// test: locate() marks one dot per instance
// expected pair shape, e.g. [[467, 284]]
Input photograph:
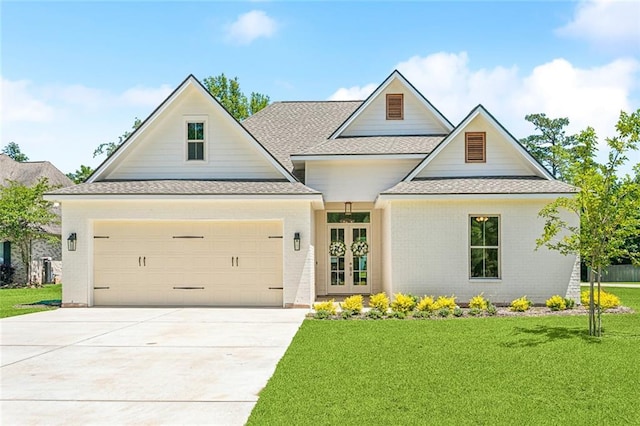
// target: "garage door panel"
[[218, 263]]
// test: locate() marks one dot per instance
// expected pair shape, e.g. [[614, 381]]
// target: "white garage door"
[[188, 263]]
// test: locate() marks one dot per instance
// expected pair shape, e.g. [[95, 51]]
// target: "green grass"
[[527, 370], [11, 299]]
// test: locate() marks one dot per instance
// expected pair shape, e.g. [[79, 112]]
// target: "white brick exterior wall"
[[427, 250], [296, 216]]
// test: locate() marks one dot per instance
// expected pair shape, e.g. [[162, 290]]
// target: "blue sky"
[[76, 74]]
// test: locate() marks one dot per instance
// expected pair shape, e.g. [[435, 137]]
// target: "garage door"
[[188, 263]]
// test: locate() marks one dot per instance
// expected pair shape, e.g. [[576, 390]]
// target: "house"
[[46, 256], [305, 199]]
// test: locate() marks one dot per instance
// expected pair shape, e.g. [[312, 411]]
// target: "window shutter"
[[475, 147], [395, 106]]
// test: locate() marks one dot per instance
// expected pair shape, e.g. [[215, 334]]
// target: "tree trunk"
[[591, 303], [599, 324]]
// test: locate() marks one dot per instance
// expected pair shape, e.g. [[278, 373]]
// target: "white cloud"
[[65, 123], [20, 103], [355, 93], [250, 26], [587, 96], [605, 23]]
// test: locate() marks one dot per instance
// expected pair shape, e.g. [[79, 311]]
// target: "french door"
[[348, 259]]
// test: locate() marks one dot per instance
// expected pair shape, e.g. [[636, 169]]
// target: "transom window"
[[475, 147], [484, 246], [395, 106], [195, 140]]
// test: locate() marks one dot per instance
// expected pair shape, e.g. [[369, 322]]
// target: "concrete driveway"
[[140, 365]]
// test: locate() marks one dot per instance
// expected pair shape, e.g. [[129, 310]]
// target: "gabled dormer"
[[478, 146], [394, 108], [191, 136]]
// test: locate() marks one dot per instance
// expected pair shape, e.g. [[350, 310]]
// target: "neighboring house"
[[46, 256], [311, 198]]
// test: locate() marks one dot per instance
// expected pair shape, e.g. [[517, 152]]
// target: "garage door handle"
[[139, 257], [232, 261], [237, 263], [144, 261]]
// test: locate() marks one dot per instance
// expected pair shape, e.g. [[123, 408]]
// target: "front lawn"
[[12, 300], [527, 370]]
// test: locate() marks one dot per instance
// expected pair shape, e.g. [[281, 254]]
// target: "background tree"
[[110, 147], [24, 214], [80, 175], [227, 92], [551, 146], [606, 204], [13, 150]]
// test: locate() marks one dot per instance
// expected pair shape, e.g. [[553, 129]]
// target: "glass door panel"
[[360, 251], [337, 253]]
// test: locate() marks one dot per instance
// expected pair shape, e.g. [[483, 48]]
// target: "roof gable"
[[157, 149], [420, 116], [505, 155]]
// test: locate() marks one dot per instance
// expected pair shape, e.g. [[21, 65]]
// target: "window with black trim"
[[475, 144], [395, 106], [195, 140], [484, 247]]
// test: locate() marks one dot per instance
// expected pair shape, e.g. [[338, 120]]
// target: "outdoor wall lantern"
[[347, 208], [71, 241], [296, 241]]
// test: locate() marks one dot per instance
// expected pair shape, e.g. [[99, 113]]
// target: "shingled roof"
[[481, 185], [285, 128], [188, 187], [361, 145], [29, 172]]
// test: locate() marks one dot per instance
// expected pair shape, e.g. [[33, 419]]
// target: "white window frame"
[[205, 141], [498, 247]]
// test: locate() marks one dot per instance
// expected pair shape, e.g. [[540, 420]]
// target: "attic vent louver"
[[475, 147], [395, 106]]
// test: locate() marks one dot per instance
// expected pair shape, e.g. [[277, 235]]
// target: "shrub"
[[478, 302], [521, 305], [445, 302], [457, 312], [556, 303], [322, 314], [347, 313], [380, 302], [444, 312], [403, 303], [353, 304], [491, 309], [570, 303], [327, 306], [607, 300], [425, 304], [475, 312], [374, 314], [421, 314], [398, 315]]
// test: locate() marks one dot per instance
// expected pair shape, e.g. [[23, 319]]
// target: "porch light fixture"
[[296, 241], [482, 219], [347, 208], [72, 241]]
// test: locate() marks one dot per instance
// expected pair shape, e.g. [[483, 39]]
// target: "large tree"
[[227, 92], [607, 205], [551, 145], [110, 147], [80, 175], [24, 214], [13, 150]]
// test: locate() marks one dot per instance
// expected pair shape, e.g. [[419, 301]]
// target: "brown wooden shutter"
[[475, 147], [395, 106]]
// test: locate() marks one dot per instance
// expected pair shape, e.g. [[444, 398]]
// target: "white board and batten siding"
[[502, 158], [356, 180], [160, 153], [418, 120]]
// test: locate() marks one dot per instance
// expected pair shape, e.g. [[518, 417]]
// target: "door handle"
[[237, 263], [144, 261], [139, 258], [232, 261]]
